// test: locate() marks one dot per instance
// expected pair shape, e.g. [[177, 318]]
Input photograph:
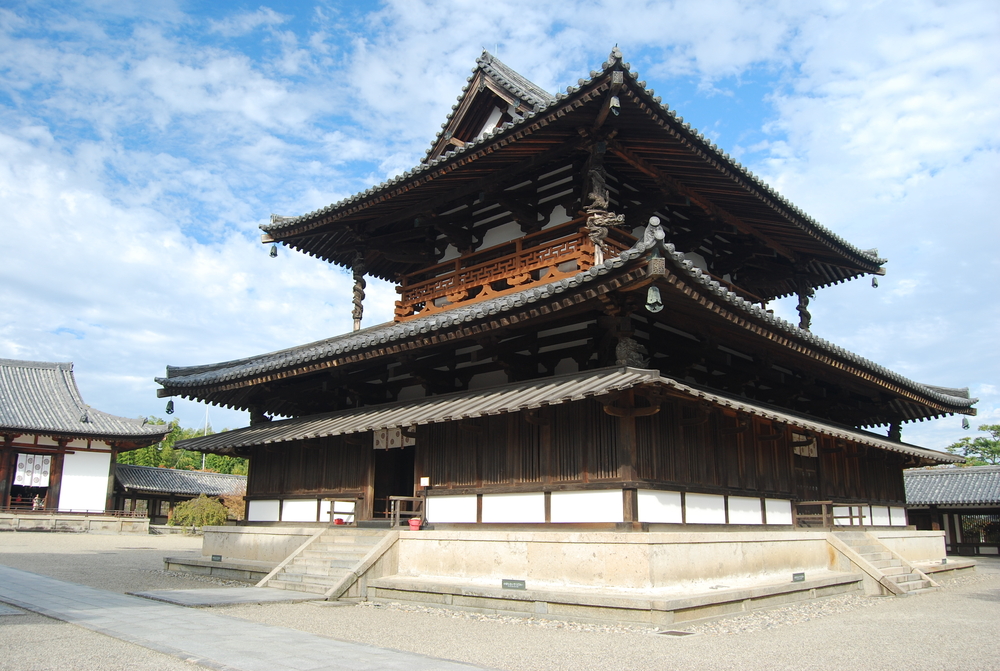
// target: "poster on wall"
[[32, 470]]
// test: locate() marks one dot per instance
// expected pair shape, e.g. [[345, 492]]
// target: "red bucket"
[[415, 523]]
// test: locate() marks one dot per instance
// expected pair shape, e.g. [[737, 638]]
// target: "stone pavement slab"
[[7, 610], [200, 636], [226, 596]]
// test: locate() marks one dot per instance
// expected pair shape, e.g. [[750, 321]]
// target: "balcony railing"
[[539, 258]]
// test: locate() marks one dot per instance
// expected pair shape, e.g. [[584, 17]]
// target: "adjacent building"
[[962, 502], [155, 491], [58, 453]]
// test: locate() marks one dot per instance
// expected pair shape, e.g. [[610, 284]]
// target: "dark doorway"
[[393, 477]]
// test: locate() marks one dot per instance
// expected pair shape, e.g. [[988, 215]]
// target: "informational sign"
[[507, 583], [33, 470]]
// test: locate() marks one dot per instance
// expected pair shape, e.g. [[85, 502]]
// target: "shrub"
[[200, 512]]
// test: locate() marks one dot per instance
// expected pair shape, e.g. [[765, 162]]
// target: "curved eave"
[[742, 187]]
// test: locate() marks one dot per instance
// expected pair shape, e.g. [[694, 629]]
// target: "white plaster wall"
[[324, 511], [662, 507], [597, 506], [744, 510], [839, 511], [880, 516], [298, 511], [779, 511], [704, 509], [263, 511], [85, 481], [501, 234], [451, 509], [342, 509], [526, 508], [897, 516]]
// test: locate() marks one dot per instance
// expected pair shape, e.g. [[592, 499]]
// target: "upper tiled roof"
[[172, 481], [953, 486], [179, 378], [698, 143], [41, 397]]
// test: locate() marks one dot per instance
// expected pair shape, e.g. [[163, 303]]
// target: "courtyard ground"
[[956, 628]]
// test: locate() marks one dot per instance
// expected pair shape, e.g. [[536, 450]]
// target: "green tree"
[[200, 512], [981, 450], [164, 455]]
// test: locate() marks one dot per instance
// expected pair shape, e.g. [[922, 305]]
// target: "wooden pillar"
[[627, 458], [109, 499], [55, 481], [7, 461]]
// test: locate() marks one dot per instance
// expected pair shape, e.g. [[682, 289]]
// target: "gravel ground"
[[930, 631]]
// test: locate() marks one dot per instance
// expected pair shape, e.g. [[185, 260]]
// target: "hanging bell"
[[170, 407], [653, 301], [965, 423], [274, 251], [874, 282]]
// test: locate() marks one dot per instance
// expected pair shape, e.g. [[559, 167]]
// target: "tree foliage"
[[164, 455], [980, 450], [200, 512]]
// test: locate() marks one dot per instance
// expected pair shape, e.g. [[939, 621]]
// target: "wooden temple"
[[582, 336]]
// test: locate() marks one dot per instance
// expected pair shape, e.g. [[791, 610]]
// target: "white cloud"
[[247, 22]]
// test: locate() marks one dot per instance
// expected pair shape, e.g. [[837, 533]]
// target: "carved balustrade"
[[539, 258]]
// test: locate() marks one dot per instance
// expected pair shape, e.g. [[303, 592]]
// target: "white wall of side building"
[[85, 481]]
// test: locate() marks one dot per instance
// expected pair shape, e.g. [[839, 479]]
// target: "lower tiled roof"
[[972, 485], [521, 396], [172, 481]]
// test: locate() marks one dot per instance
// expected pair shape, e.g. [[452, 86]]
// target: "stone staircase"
[[895, 574], [325, 560]]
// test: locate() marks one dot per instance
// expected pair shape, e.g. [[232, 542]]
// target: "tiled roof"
[[698, 142], [519, 396], [171, 481], [41, 397], [184, 378], [953, 486]]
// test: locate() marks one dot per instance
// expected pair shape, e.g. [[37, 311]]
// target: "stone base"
[[605, 605], [73, 523], [227, 569]]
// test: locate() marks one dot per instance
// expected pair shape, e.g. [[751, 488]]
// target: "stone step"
[[340, 555], [878, 556], [304, 569], [310, 579], [902, 578], [337, 561], [895, 570], [297, 586], [914, 586], [922, 590]]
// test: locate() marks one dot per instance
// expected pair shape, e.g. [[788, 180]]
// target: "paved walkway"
[[199, 636]]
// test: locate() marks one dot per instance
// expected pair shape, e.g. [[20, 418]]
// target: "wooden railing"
[[512, 266], [405, 507], [21, 510], [821, 514]]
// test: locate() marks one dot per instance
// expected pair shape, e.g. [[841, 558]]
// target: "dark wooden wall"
[[684, 447], [336, 465]]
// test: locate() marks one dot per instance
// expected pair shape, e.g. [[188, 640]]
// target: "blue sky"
[[142, 144]]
